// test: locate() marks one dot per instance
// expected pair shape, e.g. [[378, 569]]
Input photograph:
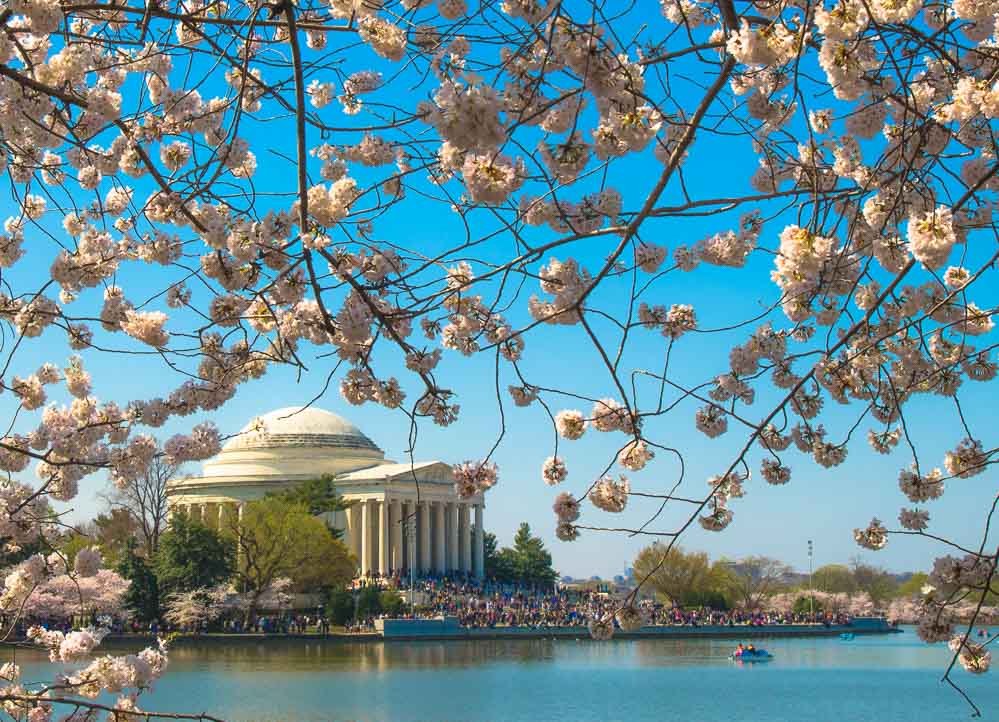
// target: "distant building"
[[283, 448]]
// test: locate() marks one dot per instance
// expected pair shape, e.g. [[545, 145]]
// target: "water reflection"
[[527, 680], [295, 655], [362, 656]]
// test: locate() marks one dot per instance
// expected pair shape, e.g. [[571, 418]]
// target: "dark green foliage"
[[318, 495], [192, 556], [143, 596], [369, 602], [340, 606], [707, 598], [527, 562], [498, 566], [392, 604]]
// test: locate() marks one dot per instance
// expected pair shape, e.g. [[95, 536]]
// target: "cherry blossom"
[[554, 471], [518, 187], [474, 477], [610, 495], [874, 537]]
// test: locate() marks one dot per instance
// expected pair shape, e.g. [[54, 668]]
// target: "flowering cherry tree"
[[213, 189]]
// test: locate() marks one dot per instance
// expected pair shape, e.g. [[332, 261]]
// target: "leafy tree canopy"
[[340, 606], [913, 586], [192, 556], [143, 596], [318, 496], [527, 562], [683, 578], [277, 539], [835, 579]]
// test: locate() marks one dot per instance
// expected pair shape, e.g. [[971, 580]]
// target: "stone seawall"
[[448, 628]]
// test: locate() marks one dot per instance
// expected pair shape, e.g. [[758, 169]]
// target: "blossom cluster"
[[566, 163], [474, 477]]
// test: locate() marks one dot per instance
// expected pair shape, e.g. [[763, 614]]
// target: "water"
[[883, 678]]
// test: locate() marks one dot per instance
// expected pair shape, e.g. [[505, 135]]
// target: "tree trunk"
[[251, 610]]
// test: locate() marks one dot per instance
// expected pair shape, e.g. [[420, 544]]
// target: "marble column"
[[408, 543], [480, 544], [423, 545], [439, 557], [396, 514], [465, 527], [366, 537], [383, 536], [202, 512], [351, 536], [452, 537]]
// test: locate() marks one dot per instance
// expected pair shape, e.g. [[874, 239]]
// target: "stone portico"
[[401, 514]]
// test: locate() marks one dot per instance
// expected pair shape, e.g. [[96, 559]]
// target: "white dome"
[[296, 426]]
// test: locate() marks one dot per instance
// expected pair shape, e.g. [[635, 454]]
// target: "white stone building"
[[282, 448]]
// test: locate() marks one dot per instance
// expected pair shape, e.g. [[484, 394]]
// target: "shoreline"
[[447, 629], [407, 630]]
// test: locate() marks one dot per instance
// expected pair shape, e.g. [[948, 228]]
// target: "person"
[[751, 649], [739, 650]]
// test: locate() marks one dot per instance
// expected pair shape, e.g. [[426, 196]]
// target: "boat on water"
[[846, 635], [751, 655]]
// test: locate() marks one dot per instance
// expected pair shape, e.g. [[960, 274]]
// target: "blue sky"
[[819, 504]]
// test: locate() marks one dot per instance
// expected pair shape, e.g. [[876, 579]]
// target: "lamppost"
[[811, 595], [411, 536]]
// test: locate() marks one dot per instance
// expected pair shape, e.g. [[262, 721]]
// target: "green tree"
[[681, 577], [143, 596], [340, 605], [881, 585], [392, 604], [318, 496], [834, 579], [713, 598], [532, 563], [497, 565], [278, 539], [369, 602], [191, 556], [913, 586]]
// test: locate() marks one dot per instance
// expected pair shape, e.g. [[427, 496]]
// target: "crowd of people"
[[486, 604], [475, 604]]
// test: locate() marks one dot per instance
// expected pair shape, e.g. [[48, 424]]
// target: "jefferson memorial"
[[280, 449]]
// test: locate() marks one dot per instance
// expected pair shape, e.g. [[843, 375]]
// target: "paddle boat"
[[751, 654], [846, 636]]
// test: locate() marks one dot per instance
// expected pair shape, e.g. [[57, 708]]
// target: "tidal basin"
[[884, 677]]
